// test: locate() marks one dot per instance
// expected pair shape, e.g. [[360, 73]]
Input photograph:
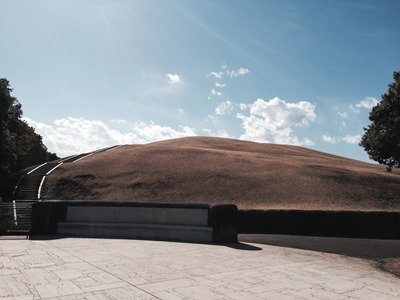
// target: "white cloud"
[[239, 72], [224, 108], [174, 79], [216, 74], [352, 139], [367, 103], [274, 120], [146, 133], [224, 74], [329, 139], [244, 106], [354, 108], [72, 135], [216, 93], [156, 84], [220, 133]]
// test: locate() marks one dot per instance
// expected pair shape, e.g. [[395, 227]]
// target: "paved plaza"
[[83, 268]]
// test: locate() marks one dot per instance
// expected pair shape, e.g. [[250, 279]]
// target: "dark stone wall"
[[222, 218], [227, 220], [379, 225], [46, 215]]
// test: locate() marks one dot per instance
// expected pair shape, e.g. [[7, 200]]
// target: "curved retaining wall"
[[185, 222], [356, 224]]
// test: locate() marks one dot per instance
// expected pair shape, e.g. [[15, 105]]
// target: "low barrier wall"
[[206, 223], [374, 224], [224, 221]]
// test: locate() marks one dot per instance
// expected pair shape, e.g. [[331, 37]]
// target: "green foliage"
[[381, 139], [20, 145]]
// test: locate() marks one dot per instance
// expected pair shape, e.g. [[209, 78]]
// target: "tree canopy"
[[381, 139], [20, 145]]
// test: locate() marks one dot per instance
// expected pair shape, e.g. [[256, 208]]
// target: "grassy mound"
[[215, 170]]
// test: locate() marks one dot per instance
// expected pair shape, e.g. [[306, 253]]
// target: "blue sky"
[[91, 74]]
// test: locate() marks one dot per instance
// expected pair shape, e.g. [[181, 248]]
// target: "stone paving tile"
[[384, 283], [370, 294], [24, 297], [83, 267], [85, 296], [11, 287], [180, 289], [105, 286], [197, 292], [242, 295], [309, 294], [8, 271], [71, 269], [86, 283], [104, 277], [129, 293], [68, 274], [34, 276], [133, 278], [55, 289]]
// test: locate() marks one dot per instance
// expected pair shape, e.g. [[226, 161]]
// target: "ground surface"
[[215, 170], [81, 268]]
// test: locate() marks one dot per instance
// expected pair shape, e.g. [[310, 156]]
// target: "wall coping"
[[130, 204]]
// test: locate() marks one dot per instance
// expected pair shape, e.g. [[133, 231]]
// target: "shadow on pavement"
[[242, 246], [237, 246]]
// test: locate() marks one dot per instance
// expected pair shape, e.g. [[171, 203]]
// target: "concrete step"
[[75, 157], [27, 190], [26, 195], [45, 168], [28, 187], [139, 231], [31, 181]]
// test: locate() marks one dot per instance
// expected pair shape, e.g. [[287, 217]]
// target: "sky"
[[96, 73]]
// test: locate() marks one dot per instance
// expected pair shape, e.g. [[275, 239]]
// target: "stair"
[[28, 187], [75, 157]]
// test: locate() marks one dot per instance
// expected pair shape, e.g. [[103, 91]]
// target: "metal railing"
[[15, 217]]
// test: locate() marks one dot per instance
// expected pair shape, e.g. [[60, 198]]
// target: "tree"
[[381, 138], [20, 145]]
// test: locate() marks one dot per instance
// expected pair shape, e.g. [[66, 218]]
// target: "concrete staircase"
[[28, 187]]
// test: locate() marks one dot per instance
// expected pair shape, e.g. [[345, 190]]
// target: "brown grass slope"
[[216, 170]]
